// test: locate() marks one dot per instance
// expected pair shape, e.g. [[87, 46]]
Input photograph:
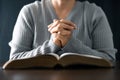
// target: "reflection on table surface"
[[86, 74]]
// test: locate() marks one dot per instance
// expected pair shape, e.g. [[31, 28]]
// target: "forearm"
[[20, 52], [76, 46]]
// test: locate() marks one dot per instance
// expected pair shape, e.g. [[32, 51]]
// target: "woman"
[[59, 26]]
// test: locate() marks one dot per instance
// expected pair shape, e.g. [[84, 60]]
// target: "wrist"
[[57, 42]]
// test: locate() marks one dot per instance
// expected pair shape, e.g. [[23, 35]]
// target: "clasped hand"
[[61, 30]]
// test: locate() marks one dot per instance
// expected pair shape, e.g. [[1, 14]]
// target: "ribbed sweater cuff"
[[53, 46]]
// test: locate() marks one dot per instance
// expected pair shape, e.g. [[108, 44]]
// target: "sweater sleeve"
[[23, 36], [102, 39]]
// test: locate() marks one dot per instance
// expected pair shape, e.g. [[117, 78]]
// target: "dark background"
[[9, 10]]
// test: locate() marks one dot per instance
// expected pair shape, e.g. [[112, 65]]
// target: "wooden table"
[[62, 74]]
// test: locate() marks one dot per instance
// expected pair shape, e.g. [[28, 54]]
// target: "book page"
[[75, 58], [54, 54], [91, 56], [46, 60]]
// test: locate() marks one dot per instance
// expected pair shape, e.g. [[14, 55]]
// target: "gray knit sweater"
[[93, 35]]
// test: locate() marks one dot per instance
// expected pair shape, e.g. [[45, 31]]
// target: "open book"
[[52, 59]]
